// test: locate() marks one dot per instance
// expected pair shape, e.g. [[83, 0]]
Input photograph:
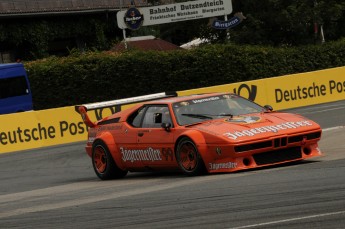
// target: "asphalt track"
[[56, 188]]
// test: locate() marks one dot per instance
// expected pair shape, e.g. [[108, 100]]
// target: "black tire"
[[188, 158], [103, 163]]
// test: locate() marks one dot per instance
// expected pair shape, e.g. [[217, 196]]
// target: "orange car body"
[[223, 143]]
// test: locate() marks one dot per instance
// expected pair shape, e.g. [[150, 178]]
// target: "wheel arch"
[[108, 139], [200, 142]]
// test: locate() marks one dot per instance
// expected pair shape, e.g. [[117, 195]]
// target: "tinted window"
[[14, 86]]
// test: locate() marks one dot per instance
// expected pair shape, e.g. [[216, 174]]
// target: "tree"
[[268, 22], [287, 22]]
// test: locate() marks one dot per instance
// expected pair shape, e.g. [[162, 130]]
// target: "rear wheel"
[[103, 163], [188, 158]]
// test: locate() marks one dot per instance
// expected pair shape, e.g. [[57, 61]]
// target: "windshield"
[[213, 107]]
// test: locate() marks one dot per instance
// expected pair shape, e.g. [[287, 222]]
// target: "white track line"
[[333, 128], [320, 111], [289, 220]]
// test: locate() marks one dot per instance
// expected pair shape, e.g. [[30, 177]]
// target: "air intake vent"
[[280, 142], [283, 142], [299, 138], [254, 146], [277, 156], [276, 142]]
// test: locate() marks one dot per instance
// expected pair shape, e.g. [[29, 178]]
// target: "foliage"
[[101, 76], [34, 37], [288, 22]]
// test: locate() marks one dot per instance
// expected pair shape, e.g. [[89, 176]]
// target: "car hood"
[[257, 126]]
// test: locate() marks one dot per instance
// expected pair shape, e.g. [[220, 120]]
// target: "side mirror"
[[268, 108], [166, 126]]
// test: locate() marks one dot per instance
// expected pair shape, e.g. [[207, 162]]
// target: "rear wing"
[[83, 109]]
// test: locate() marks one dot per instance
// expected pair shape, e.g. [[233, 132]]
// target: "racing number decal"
[[168, 154]]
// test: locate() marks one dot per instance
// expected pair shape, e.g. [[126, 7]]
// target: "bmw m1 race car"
[[196, 134]]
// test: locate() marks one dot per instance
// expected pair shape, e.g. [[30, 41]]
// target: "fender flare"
[[108, 139], [200, 142]]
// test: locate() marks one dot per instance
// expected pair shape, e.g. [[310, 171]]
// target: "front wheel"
[[103, 163], [188, 158]]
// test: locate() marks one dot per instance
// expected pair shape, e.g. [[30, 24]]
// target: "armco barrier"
[[36, 129]]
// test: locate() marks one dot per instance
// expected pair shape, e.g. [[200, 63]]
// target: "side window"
[[155, 116], [136, 118], [13, 86]]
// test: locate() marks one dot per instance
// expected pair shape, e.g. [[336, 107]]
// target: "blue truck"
[[15, 92]]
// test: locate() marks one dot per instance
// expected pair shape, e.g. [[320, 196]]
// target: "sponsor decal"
[[217, 166], [244, 119], [112, 127], [92, 135], [184, 104], [133, 18], [91, 139], [219, 151], [148, 154], [195, 101], [274, 128], [93, 131]]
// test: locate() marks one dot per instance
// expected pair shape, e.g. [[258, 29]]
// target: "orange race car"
[[218, 132]]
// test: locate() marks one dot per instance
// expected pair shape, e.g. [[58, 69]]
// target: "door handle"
[[140, 134]]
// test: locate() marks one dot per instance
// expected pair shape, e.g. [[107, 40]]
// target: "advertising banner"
[[133, 18], [36, 129]]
